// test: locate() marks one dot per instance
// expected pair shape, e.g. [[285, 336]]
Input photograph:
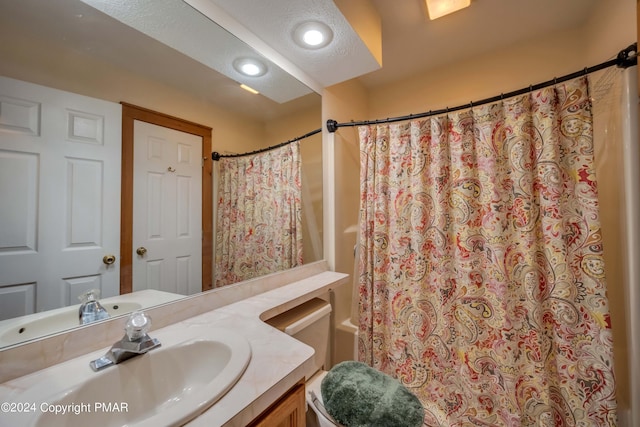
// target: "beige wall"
[[612, 29], [482, 77]]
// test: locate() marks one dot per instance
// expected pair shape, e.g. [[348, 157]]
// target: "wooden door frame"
[[129, 114]]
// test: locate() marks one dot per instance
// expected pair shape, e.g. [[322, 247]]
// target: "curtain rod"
[[217, 156], [626, 58]]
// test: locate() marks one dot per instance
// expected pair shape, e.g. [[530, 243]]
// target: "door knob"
[[141, 250], [109, 259]]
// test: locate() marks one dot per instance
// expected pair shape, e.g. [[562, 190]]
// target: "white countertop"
[[277, 363]]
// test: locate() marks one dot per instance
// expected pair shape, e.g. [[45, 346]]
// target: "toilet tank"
[[310, 323]]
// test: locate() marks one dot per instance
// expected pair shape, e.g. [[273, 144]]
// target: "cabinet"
[[288, 411]]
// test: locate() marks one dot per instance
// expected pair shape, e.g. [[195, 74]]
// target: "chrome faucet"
[[135, 342], [91, 310]]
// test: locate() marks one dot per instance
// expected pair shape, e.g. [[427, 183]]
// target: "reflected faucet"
[[135, 342], [91, 310]]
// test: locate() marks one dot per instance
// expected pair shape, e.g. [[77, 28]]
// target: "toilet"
[[310, 323]]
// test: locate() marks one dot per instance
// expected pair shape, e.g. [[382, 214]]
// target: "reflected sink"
[[164, 387], [56, 321], [13, 331]]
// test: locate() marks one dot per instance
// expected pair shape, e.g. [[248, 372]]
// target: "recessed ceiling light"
[[250, 67], [438, 8], [312, 35]]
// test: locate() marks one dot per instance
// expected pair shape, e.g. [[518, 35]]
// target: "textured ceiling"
[[411, 43], [274, 21], [179, 25], [41, 27], [182, 28]]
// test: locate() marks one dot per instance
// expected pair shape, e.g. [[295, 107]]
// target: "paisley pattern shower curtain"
[[482, 283], [259, 225]]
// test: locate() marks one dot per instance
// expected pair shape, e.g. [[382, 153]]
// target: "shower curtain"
[[481, 284], [259, 229]]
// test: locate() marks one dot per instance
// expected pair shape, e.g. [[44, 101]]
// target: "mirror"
[[70, 46]]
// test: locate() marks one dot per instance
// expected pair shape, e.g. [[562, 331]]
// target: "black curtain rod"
[[217, 156], [626, 58]]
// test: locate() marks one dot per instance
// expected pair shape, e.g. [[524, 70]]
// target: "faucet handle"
[[90, 295], [137, 325]]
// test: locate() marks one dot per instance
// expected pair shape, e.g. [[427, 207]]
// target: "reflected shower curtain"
[[481, 281], [259, 228]]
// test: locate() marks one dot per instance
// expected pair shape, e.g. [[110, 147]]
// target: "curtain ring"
[[586, 71]]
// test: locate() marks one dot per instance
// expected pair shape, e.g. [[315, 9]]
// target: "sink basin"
[[166, 386]]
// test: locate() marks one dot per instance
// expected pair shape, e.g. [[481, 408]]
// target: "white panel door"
[[60, 197], [167, 210]]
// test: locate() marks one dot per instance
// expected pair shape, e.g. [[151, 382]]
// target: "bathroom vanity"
[[288, 411], [269, 391]]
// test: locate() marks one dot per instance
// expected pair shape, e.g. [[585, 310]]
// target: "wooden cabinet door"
[[288, 411]]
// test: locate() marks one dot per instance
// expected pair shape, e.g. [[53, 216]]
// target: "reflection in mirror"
[[24, 328], [69, 47]]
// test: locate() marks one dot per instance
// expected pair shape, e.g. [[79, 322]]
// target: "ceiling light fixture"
[[249, 89], [312, 35], [250, 67], [438, 8]]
